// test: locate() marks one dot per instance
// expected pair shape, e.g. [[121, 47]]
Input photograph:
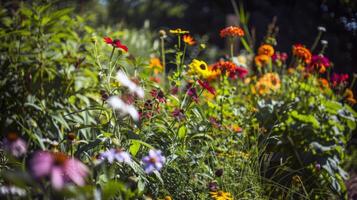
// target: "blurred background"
[[297, 20]]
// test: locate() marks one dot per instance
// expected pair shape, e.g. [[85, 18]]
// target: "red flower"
[[338, 79], [115, 43], [206, 86], [159, 95], [231, 69]]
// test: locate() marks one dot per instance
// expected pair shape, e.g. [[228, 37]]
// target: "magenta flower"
[[59, 168], [319, 63], [280, 56], [338, 79], [15, 145], [178, 114], [154, 161]]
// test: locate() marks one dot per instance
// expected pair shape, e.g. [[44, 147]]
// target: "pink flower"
[[319, 63], [15, 145], [205, 85], [338, 79], [115, 43], [59, 168]]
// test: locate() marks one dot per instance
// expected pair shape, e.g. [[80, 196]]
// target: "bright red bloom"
[[206, 86], [115, 43], [231, 69], [338, 79]]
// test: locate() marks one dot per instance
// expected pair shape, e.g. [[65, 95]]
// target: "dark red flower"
[[178, 114], [115, 43], [159, 95], [338, 79], [206, 86], [191, 91]]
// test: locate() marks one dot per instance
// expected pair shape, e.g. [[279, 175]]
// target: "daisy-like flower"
[[302, 53], [178, 31], [115, 43], [319, 63], [159, 95], [154, 161], [60, 169], [232, 31], [188, 39], [125, 81], [156, 65], [221, 195], [117, 104], [14, 144], [266, 49], [205, 85], [199, 68], [116, 154]]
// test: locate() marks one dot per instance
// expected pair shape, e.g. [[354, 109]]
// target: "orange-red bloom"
[[266, 49], [261, 60], [233, 31], [302, 53], [231, 69], [188, 39], [115, 43]]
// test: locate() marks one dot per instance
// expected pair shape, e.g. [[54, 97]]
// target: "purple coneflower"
[[60, 168], [154, 161], [15, 145]]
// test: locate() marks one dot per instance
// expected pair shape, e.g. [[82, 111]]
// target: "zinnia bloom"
[[231, 69], [261, 60], [60, 168], [205, 85], [156, 65], [115, 43], [154, 161], [188, 39], [266, 49], [267, 83], [232, 31], [320, 63], [14, 145], [338, 79], [116, 154], [220, 195], [302, 53]]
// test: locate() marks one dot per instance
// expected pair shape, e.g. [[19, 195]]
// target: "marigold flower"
[[178, 31], [302, 53], [61, 168], [324, 83], [349, 96], [320, 63], [115, 43], [261, 60], [188, 39], [220, 195], [267, 83], [266, 49], [232, 31], [156, 65]]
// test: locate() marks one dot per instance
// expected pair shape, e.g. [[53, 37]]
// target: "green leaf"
[[182, 132], [134, 147]]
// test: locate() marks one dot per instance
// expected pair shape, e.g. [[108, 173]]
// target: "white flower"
[[117, 104], [125, 81], [324, 42], [321, 28]]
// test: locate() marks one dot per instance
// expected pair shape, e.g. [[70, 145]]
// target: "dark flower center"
[[12, 136], [203, 67], [59, 158]]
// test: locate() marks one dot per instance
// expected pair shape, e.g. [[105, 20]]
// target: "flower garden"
[[119, 113]]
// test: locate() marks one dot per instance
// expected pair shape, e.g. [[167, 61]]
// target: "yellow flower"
[[168, 198], [155, 64], [349, 97], [178, 31], [200, 68], [220, 195], [188, 39], [267, 83]]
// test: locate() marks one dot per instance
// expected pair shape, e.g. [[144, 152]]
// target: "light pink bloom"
[[59, 168], [15, 145]]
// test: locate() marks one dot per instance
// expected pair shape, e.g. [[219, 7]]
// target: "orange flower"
[[267, 83], [302, 53], [261, 60], [155, 64], [349, 96], [188, 39], [233, 31], [266, 49], [324, 83]]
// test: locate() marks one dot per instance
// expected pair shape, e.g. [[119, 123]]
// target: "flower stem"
[[317, 39], [232, 48]]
